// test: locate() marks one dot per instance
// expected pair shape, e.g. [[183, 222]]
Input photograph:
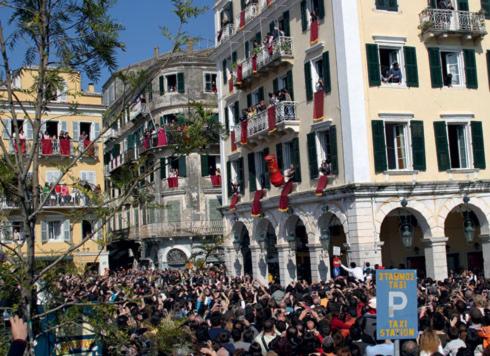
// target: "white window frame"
[[181, 207], [461, 66], [468, 142], [259, 167], [321, 149], [408, 144], [231, 116], [61, 237], [390, 42], [204, 81], [94, 173], [167, 91], [54, 172], [314, 71]]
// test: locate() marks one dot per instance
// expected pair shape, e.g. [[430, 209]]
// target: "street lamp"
[[468, 226], [325, 238], [406, 229]]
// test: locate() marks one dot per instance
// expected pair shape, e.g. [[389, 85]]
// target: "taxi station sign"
[[396, 304]]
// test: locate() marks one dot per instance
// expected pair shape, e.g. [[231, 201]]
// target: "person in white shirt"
[[354, 271], [452, 347]]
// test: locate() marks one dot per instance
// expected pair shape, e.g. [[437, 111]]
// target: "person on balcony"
[[214, 88], [394, 75], [326, 167], [18, 237], [273, 100], [84, 138], [277, 33], [445, 5], [65, 195], [319, 86], [313, 16], [287, 96], [46, 144], [22, 142], [65, 143], [261, 106], [269, 43], [146, 139]]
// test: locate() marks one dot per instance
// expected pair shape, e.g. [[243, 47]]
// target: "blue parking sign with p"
[[396, 304]]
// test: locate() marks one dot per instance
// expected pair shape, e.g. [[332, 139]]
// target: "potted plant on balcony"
[[426, 25]]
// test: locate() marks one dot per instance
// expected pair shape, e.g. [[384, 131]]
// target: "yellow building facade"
[[390, 95], [66, 217]]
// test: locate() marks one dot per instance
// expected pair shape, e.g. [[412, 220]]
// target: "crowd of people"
[[61, 195], [240, 316]]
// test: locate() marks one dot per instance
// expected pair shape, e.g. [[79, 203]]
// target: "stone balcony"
[[278, 118], [262, 60], [226, 32], [446, 23], [178, 229]]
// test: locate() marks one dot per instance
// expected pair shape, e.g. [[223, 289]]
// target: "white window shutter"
[[66, 231], [64, 126], [76, 131], [95, 131], [44, 232], [28, 129], [93, 177], [7, 129]]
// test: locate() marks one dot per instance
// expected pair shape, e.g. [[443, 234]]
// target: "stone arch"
[[261, 226], [476, 205], [425, 218], [322, 216]]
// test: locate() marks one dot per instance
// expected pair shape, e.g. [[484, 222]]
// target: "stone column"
[[232, 262], [436, 258], [485, 248], [259, 265], [287, 264], [320, 263]]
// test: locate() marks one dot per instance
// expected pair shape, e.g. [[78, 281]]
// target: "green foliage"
[[171, 335]]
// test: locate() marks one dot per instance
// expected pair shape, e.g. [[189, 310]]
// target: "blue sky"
[[142, 20]]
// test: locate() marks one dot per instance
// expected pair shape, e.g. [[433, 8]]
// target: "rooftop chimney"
[[190, 45], [91, 88], [156, 53]]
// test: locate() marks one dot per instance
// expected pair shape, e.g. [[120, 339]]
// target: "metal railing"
[[245, 16], [53, 148], [226, 32], [181, 228], [441, 21], [258, 123], [286, 111]]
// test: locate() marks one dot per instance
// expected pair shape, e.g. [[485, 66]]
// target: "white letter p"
[[392, 306]]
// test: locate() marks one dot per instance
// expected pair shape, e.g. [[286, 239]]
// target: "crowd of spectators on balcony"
[[61, 195]]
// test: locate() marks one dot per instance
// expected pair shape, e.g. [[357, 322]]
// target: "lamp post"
[[325, 239], [261, 241], [406, 229], [468, 225], [291, 240]]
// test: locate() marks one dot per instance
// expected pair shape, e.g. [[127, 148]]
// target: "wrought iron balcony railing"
[[441, 22]]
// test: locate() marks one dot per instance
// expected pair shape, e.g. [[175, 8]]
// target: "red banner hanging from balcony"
[[244, 128], [234, 201], [318, 105], [314, 32], [239, 74], [233, 141], [173, 182], [271, 118], [284, 198], [161, 137], [22, 144], [256, 205], [275, 175], [322, 184], [65, 146], [46, 146], [254, 63], [242, 19], [216, 181], [230, 85]]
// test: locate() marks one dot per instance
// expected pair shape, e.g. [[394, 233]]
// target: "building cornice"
[[59, 108]]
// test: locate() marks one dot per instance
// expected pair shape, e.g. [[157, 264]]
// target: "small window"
[[89, 177], [214, 164], [52, 176], [210, 83], [387, 5], [213, 212], [389, 60], [459, 150], [287, 155], [451, 68], [55, 230], [324, 147], [171, 83], [85, 129], [397, 145], [52, 128]]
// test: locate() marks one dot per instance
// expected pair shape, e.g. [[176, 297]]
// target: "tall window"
[[210, 82], [387, 5], [260, 169], [171, 83], [389, 61], [324, 146], [459, 149], [173, 211], [55, 230], [397, 145], [452, 68]]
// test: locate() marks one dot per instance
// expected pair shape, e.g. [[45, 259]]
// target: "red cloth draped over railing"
[[239, 74], [244, 127], [318, 105], [275, 175], [46, 146], [173, 182], [271, 118], [90, 149], [233, 140], [64, 146], [322, 184], [161, 137], [270, 49], [256, 205], [284, 198], [242, 19], [234, 201], [22, 144], [254, 63], [216, 181], [230, 85], [314, 32]]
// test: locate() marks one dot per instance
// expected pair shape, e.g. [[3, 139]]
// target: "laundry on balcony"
[[321, 185], [161, 137], [314, 29], [242, 19], [256, 205], [234, 201], [275, 175], [46, 146], [216, 180], [318, 105], [65, 145], [271, 118], [173, 182], [243, 135]]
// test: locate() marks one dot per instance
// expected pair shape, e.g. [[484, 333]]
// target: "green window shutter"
[[271, 27], [379, 145], [180, 83], [280, 161], [227, 120], [286, 26], [321, 9], [418, 145], [241, 175], [182, 167], [478, 145], [326, 73], [470, 69], [485, 5], [304, 16], [204, 165], [249, 100], [441, 145], [295, 158], [435, 67], [433, 4], [242, 4], [289, 83], [488, 64], [392, 5], [161, 85], [411, 69], [236, 112], [267, 183], [312, 154], [463, 5], [224, 68], [247, 49], [309, 88], [234, 57], [258, 37], [275, 85], [228, 177], [334, 157], [373, 65], [163, 168], [252, 178], [67, 231], [44, 232]]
